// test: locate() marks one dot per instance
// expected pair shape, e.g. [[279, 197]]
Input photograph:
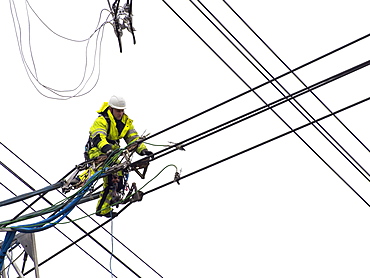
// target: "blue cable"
[[40, 226], [6, 244], [36, 227]]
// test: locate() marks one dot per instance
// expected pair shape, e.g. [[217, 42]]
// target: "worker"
[[111, 125]]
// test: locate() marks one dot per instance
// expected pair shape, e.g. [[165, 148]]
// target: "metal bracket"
[[27, 240], [122, 19], [137, 196], [177, 177], [140, 164]]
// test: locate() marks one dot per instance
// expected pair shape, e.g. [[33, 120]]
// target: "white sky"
[[275, 211]]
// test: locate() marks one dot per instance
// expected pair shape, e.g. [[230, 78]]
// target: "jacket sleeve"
[[131, 136], [98, 134]]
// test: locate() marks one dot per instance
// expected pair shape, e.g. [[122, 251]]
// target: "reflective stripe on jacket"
[[104, 140]]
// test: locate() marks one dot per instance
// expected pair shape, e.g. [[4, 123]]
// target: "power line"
[[265, 102], [260, 110], [293, 71], [271, 140], [334, 142], [315, 95], [255, 88], [248, 85]]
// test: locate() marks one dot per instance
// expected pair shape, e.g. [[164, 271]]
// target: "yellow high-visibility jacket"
[[102, 140]]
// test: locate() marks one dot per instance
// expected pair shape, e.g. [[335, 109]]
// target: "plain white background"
[[275, 211]]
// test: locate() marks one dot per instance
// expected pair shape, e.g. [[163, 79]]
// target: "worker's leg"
[[111, 183], [103, 207]]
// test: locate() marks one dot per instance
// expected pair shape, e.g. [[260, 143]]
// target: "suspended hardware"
[[177, 177], [77, 180], [140, 164], [117, 189], [118, 194], [133, 195], [177, 146], [122, 19]]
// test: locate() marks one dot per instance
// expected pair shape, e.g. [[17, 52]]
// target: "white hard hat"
[[117, 102]]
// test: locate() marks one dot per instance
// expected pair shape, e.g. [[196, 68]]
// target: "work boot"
[[110, 214]]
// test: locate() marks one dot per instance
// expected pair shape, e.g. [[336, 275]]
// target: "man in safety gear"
[[111, 125]]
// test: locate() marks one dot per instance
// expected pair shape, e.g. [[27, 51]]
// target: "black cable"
[[343, 151], [214, 53], [259, 110], [84, 236], [271, 140], [260, 97], [246, 92], [293, 71], [33, 170], [322, 103]]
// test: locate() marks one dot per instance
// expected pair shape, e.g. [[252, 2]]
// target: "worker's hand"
[[146, 152], [106, 149]]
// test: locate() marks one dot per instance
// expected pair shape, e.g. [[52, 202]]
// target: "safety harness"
[[90, 143]]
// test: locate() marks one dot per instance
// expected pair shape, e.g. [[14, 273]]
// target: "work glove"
[[146, 152], [107, 149]]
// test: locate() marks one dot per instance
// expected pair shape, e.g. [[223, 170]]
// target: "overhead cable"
[[293, 71], [271, 140], [300, 137], [259, 110], [248, 91], [328, 136]]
